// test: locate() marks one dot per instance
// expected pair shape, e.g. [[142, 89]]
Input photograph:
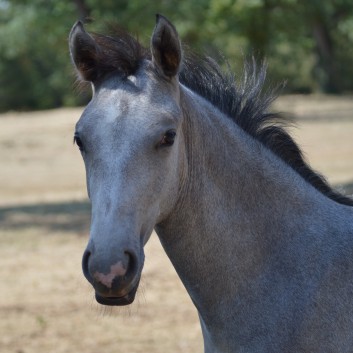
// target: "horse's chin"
[[117, 300]]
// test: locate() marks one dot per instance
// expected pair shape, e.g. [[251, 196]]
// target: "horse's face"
[[131, 141]]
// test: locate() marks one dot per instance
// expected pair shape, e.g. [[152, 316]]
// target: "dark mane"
[[119, 53], [246, 101]]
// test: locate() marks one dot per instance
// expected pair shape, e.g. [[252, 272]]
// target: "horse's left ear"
[[166, 47], [83, 50]]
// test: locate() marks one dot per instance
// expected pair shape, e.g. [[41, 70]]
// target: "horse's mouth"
[[125, 299]]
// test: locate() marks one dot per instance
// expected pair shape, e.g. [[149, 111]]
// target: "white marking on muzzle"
[[107, 279]]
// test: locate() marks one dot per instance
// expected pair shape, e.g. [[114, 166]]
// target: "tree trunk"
[[83, 9], [326, 62]]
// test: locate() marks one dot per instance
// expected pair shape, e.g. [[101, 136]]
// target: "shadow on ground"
[[63, 217]]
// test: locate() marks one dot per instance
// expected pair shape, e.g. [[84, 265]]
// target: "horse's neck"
[[241, 205]]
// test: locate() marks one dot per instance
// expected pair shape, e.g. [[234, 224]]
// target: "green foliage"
[[34, 68], [308, 44]]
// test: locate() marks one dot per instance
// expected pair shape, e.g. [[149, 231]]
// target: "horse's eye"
[[78, 142], [168, 138]]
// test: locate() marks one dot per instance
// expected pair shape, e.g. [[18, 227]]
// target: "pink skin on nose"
[[115, 270]]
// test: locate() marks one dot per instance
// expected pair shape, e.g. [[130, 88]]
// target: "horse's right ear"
[[83, 51], [166, 47]]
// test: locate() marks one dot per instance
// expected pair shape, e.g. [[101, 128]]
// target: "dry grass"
[[45, 303], [324, 127]]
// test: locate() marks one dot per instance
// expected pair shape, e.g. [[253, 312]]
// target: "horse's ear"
[[166, 47], [83, 50]]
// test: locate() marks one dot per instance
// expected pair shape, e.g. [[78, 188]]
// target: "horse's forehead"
[[135, 98], [118, 101], [135, 91]]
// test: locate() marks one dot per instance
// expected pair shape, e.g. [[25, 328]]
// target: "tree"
[[309, 44]]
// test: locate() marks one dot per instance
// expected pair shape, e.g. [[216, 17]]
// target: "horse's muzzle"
[[116, 283], [118, 301]]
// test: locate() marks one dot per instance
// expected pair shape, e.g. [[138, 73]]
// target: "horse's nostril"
[[112, 277], [85, 270], [131, 264]]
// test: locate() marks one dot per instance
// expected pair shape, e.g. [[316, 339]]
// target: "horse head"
[[130, 138]]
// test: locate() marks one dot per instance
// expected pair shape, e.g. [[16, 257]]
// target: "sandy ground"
[[46, 304]]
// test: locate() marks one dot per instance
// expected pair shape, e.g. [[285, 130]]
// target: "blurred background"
[[307, 43], [45, 303]]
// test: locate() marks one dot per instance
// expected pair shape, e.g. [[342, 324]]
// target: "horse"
[[173, 143]]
